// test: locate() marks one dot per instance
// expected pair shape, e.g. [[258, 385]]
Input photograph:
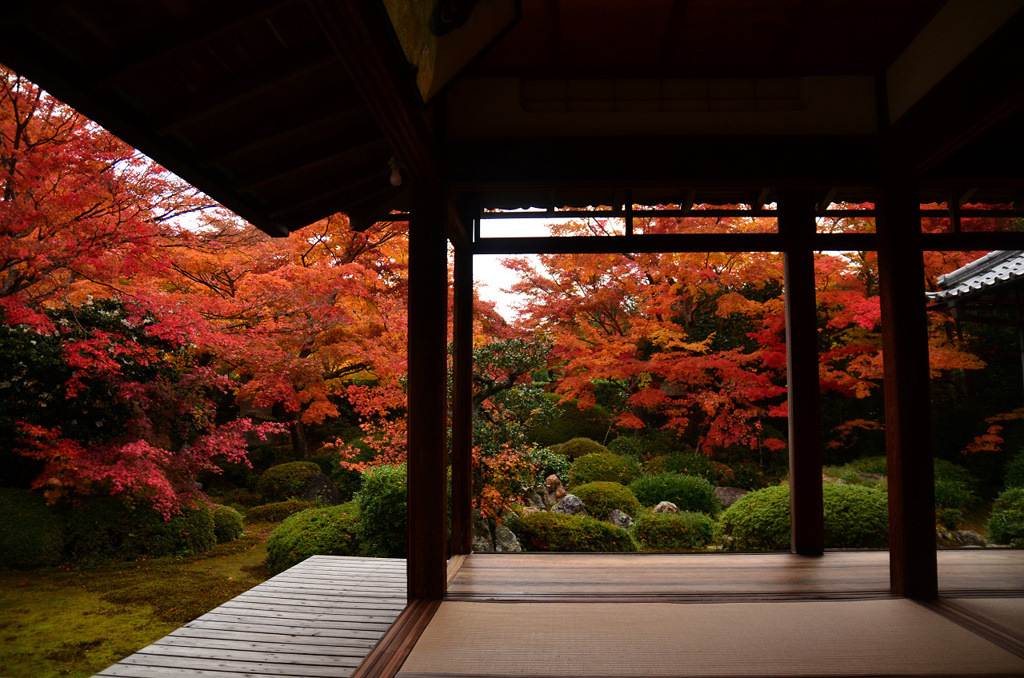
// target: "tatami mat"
[[822, 638]]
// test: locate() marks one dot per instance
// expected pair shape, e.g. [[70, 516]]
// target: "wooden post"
[[462, 404], [913, 569], [428, 325], [797, 225]]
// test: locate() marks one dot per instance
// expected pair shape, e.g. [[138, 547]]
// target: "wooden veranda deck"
[[317, 619], [324, 616]]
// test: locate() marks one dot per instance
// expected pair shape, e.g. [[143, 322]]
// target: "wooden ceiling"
[[287, 111]]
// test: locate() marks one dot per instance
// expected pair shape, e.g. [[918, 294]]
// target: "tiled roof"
[[981, 276]]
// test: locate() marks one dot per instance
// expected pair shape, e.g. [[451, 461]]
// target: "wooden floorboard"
[[319, 619]]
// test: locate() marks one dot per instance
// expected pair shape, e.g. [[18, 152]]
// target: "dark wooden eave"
[[285, 111]]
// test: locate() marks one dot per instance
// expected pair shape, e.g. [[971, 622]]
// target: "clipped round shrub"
[[31, 533], [601, 497], [689, 493], [855, 517], [950, 518], [952, 494], [328, 531], [603, 466], [383, 508], [285, 481], [1006, 522], [1014, 474], [227, 523], [276, 511], [242, 497], [673, 532], [627, 447], [579, 447], [103, 529], [560, 532], [548, 462], [758, 521]]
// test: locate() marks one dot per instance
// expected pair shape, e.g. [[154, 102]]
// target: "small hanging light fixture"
[[396, 174]]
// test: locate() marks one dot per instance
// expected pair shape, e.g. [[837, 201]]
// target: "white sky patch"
[[488, 273]]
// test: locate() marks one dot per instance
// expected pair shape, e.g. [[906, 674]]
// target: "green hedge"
[[1006, 522], [277, 511], [689, 493], [383, 507], [31, 533], [601, 497], [559, 532], [855, 517], [673, 532], [603, 466], [1013, 476], [329, 531], [285, 481], [579, 447], [227, 523], [104, 529]]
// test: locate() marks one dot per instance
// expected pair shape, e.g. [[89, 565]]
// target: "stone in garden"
[[570, 505], [535, 501], [554, 488], [666, 507], [620, 519], [320, 490], [729, 495], [530, 510], [505, 541], [969, 538], [482, 541]]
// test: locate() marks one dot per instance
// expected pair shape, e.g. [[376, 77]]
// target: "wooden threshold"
[[387, 657], [1011, 640]]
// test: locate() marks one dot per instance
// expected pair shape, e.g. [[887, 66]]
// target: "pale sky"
[[491, 277]]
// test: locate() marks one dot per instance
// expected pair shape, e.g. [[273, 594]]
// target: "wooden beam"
[[797, 225], [361, 34], [985, 88], [913, 568], [462, 404], [427, 389]]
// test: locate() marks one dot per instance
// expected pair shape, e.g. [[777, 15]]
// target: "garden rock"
[[530, 510], [554, 488], [320, 490], [482, 542], [666, 507], [536, 502], [729, 495], [969, 538], [620, 519], [505, 541], [570, 505]]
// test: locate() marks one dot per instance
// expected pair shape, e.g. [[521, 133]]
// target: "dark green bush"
[[876, 465], [548, 462], [749, 476], [578, 447], [855, 517], [673, 532], [570, 422], [601, 497], [690, 465], [277, 511], [242, 497], [1014, 473], [758, 521], [952, 494], [383, 507], [328, 531], [950, 518], [103, 529], [689, 493], [285, 481], [603, 466], [560, 532], [227, 523], [31, 533], [627, 447], [1006, 522]]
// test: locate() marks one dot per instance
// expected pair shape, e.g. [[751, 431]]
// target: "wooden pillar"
[[427, 388], [462, 404], [797, 225], [913, 570]]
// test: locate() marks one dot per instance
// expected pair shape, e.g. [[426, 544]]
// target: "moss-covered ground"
[[77, 621]]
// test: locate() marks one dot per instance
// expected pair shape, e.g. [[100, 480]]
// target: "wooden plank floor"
[[720, 576], [317, 619]]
